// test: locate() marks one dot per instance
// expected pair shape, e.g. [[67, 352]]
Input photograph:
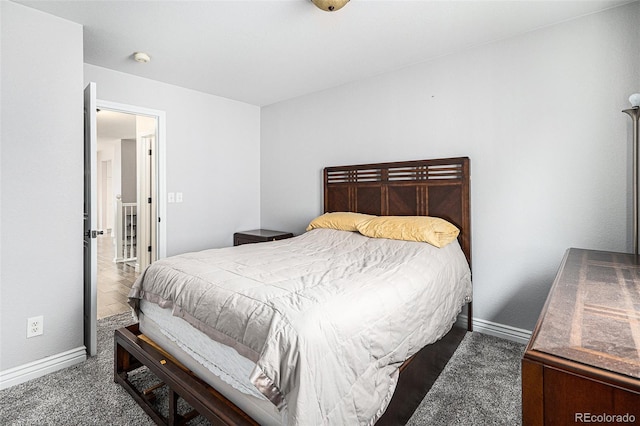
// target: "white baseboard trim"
[[41, 367], [508, 332]]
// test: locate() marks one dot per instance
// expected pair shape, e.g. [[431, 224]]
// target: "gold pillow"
[[342, 221], [433, 230]]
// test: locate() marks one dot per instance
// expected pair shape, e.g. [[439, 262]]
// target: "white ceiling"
[[114, 126], [264, 51]]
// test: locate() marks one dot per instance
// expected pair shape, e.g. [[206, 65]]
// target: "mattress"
[[218, 365], [321, 321]]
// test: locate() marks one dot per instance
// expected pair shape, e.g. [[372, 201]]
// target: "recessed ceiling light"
[[141, 57]]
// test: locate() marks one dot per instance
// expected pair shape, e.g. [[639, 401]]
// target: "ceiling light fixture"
[[330, 5], [141, 57]]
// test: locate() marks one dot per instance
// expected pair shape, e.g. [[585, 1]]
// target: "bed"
[[286, 347]]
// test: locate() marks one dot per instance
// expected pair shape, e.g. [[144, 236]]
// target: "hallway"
[[114, 280]]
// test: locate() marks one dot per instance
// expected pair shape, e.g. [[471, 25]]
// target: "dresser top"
[[592, 314]]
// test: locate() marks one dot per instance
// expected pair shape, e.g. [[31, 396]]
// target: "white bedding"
[[174, 330], [327, 317], [222, 360]]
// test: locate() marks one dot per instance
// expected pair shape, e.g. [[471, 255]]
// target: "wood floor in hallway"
[[114, 280]]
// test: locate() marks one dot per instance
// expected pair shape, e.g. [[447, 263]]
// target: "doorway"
[[156, 202], [127, 201]]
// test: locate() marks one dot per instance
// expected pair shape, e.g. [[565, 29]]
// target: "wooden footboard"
[[132, 351]]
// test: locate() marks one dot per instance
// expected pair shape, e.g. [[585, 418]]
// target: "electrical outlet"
[[35, 326]]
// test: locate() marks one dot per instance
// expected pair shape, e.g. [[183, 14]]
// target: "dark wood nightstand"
[[259, 236]]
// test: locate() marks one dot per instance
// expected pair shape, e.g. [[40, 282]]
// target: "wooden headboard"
[[410, 188]]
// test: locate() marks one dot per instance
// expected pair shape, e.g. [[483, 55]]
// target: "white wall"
[[105, 185], [108, 183], [128, 170], [540, 117], [212, 154], [213, 157], [42, 185]]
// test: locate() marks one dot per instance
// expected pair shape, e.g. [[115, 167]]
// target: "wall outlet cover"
[[35, 326]]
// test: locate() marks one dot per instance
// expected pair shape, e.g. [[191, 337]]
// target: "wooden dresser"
[[582, 364]]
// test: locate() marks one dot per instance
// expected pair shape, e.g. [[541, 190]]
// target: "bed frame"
[[428, 187]]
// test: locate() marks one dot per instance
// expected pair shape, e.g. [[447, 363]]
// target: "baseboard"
[[503, 331], [41, 367], [508, 332]]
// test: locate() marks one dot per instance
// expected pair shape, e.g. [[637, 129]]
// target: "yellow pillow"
[[342, 221], [432, 230]]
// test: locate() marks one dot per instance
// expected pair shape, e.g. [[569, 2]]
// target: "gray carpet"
[[479, 386]]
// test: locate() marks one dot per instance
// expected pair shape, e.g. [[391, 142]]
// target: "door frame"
[[90, 214], [160, 162]]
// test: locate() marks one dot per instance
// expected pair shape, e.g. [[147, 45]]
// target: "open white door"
[[90, 220]]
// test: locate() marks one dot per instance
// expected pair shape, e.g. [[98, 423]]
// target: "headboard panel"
[[411, 188]]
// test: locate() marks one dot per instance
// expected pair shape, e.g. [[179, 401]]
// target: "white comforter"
[[328, 316]]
